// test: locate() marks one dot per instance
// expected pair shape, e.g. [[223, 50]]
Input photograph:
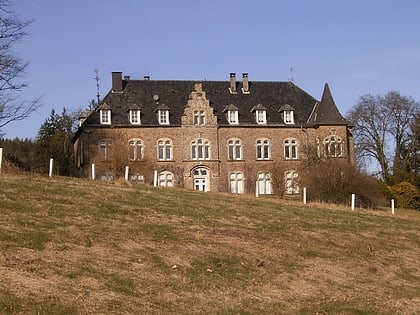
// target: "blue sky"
[[357, 47]]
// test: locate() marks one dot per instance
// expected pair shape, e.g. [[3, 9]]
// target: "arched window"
[[263, 149], [290, 149], [234, 149], [264, 186], [105, 149], [166, 179], [164, 149], [135, 150], [333, 146], [200, 149], [291, 182], [236, 183]]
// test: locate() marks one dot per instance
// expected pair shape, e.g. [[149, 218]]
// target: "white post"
[[1, 157], [51, 167], [155, 175], [256, 189], [392, 206], [304, 195], [126, 173], [93, 171], [353, 201]]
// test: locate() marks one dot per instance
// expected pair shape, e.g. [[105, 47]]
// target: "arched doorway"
[[201, 179]]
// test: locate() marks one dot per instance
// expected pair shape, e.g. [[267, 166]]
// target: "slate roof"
[[273, 96]]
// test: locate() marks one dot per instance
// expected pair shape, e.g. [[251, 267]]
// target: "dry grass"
[[69, 246]]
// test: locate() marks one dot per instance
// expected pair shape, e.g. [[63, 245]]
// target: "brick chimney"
[[245, 83], [232, 87], [117, 82]]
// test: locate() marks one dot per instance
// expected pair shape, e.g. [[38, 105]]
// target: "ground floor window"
[[236, 183], [291, 182], [264, 185], [166, 179]]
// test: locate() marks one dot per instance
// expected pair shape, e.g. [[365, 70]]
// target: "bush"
[[334, 181], [406, 195]]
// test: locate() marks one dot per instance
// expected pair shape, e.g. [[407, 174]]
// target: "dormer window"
[[288, 114], [105, 114], [199, 117], [134, 115], [232, 114], [260, 114], [163, 114]]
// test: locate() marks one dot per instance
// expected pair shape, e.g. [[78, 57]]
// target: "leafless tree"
[[381, 125], [12, 68]]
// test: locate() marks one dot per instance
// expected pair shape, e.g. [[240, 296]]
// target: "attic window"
[[199, 117], [232, 114], [134, 116], [105, 116], [163, 116], [261, 117], [288, 117]]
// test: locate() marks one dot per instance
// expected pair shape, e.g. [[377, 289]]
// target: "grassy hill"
[[70, 246]]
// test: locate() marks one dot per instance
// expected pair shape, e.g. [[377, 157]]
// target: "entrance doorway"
[[201, 179]]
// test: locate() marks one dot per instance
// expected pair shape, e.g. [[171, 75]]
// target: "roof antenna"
[[97, 84], [291, 79]]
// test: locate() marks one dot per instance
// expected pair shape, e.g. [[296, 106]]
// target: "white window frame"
[[261, 116], [163, 116], [135, 150], [291, 149], [135, 118], [291, 182], [333, 146], [236, 182], [200, 149], [263, 149], [288, 117], [199, 117], [264, 184], [232, 117], [105, 149], [166, 179], [164, 150], [234, 149], [105, 116]]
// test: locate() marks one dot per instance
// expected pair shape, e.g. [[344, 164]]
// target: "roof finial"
[[97, 84], [291, 79]]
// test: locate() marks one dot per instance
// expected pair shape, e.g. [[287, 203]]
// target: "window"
[[166, 179], [234, 149], [105, 116], [163, 116], [105, 150], [134, 116], [236, 183], [199, 117], [263, 149], [290, 149], [200, 150], [260, 116], [233, 117], [264, 184], [288, 117], [291, 182], [333, 146], [135, 150], [164, 150]]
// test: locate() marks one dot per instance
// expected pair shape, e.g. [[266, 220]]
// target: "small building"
[[237, 136]]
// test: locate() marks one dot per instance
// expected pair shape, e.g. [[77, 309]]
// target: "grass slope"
[[68, 246]]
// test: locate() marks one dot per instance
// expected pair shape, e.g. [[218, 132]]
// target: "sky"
[[357, 47]]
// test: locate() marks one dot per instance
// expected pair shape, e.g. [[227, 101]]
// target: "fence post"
[[93, 171], [304, 195], [392, 206], [353, 201], [51, 167], [126, 173], [155, 175]]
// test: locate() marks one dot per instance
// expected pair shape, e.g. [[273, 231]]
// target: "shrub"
[[334, 181], [406, 195]]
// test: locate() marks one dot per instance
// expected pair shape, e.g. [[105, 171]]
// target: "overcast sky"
[[357, 46]]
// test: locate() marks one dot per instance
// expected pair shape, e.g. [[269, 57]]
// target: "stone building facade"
[[228, 136]]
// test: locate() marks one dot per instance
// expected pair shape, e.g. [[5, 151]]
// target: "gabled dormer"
[[104, 114], [260, 113], [134, 114], [287, 113], [162, 114], [232, 114]]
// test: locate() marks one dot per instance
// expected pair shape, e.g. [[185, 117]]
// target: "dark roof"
[[326, 112], [273, 96]]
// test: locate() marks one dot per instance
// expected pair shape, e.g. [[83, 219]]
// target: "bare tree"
[[12, 68], [381, 125]]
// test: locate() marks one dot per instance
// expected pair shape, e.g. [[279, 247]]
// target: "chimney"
[[117, 82], [127, 78], [146, 78], [245, 83], [232, 88]]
